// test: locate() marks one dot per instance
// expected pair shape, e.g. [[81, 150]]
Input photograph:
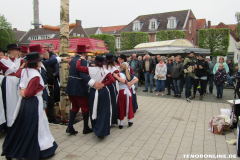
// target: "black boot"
[[70, 128], [8, 158], [86, 128], [71, 131]]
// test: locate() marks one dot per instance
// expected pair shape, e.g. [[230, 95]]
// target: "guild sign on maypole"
[[63, 52]]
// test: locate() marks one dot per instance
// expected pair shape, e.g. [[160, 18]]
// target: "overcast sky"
[[97, 13]]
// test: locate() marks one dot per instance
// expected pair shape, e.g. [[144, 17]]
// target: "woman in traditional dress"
[[29, 136], [124, 103], [99, 100], [123, 59], [113, 88], [2, 111], [10, 93]]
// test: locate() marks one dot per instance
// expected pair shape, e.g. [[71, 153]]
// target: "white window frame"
[[118, 43], [172, 23], [190, 26], [136, 25]]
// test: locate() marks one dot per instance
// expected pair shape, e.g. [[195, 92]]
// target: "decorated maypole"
[[63, 52]]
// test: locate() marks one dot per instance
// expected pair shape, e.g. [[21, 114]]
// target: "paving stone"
[[166, 131]]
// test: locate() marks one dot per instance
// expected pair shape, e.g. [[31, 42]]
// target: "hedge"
[[217, 40], [169, 35], [130, 39], [109, 41]]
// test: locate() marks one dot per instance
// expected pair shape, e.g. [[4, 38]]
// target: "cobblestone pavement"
[[163, 129]]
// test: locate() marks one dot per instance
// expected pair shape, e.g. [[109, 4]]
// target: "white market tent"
[[171, 47]]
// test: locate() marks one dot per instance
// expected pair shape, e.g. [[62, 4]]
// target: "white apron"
[[123, 86], [45, 138], [111, 70], [2, 112], [98, 74], [12, 92]]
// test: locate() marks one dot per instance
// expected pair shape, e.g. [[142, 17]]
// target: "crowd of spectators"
[[173, 73]]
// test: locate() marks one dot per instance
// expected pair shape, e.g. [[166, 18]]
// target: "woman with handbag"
[[160, 76]]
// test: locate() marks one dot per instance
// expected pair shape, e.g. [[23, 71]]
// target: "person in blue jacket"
[[77, 90]]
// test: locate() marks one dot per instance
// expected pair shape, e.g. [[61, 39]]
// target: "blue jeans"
[[169, 88], [231, 79], [148, 76], [177, 86], [182, 82], [189, 82], [219, 91], [161, 84]]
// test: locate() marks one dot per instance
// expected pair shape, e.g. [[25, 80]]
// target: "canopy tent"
[[171, 47]]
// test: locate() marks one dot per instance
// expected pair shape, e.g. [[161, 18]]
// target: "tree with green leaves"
[[6, 33], [217, 40], [237, 28], [169, 35], [130, 39], [109, 41]]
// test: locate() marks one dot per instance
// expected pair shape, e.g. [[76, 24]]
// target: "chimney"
[[79, 22], [209, 24], [35, 14], [15, 29]]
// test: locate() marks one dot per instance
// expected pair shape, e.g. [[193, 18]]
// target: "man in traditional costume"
[[77, 90]]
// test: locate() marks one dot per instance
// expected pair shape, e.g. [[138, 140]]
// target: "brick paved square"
[[164, 128]]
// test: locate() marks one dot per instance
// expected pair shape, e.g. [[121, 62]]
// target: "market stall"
[[94, 46]]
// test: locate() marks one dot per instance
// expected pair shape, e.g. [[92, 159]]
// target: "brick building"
[[151, 24]]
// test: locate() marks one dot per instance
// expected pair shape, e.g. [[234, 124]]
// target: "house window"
[[78, 34], [190, 26], [153, 25], [172, 22], [74, 34], [136, 25], [118, 42], [82, 35]]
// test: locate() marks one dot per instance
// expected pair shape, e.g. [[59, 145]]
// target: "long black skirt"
[[1, 128], [114, 103], [101, 125], [3, 87], [22, 138], [134, 101]]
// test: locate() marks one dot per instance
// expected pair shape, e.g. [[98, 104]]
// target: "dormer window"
[[137, 25], [172, 23], [153, 24]]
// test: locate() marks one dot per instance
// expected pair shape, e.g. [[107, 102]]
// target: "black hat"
[[33, 57], [12, 46], [122, 56], [99, 60], [201, 55], [191, 52], [110, 57]]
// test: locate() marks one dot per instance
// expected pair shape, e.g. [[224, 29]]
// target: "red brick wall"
[[152, 37], [193, 35]]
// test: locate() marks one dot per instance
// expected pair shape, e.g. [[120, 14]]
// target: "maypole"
[[63, 52]]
